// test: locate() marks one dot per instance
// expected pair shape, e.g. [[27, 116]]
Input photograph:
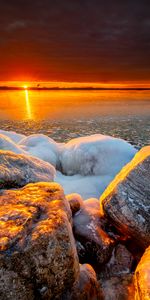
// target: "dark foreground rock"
[[17, 170], [121, 262], [38, 258], [126, 201], [92, 241], [86, 287], [116, 276], [142, 277], [118, 288]]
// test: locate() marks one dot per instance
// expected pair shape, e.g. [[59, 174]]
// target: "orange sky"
[[75, 41]]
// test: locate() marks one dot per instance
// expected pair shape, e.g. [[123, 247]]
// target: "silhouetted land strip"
[[74, 88]]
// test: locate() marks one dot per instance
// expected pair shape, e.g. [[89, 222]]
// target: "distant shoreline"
[[6, 88]]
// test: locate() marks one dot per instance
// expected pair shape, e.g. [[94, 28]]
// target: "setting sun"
[[25, 87]]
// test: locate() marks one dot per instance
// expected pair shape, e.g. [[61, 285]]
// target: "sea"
[[68, 114]]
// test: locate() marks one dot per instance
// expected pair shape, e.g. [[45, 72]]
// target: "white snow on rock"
[[17, 170], [84, 165], [86, 186], [7, 144], [95, 155], [43, 147], [15, 137]]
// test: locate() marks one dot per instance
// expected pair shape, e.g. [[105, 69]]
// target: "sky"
[[75, 40]]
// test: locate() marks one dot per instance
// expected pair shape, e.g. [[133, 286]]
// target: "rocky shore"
[[58, 245]]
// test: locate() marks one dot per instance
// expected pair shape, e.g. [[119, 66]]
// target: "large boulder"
[[38, 258], [126, 201], [17, 170], [142, 277], [92, 241]]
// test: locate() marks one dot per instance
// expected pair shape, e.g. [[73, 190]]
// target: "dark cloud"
[[75, 40]]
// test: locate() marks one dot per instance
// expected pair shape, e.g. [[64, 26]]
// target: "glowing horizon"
[[62, 84]]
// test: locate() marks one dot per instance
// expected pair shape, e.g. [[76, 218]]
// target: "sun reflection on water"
[[28, 105]]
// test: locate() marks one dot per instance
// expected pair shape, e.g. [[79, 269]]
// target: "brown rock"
[[118, 288], [75, 201], [88, 231], [120, 263], [17, 170], [38, 258], [86, 287], [125, 203], [116, 277], [142, 277]]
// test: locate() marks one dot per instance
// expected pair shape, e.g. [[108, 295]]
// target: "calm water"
[[68, 114]]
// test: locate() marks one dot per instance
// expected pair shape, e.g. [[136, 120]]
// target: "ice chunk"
[[43, 147], [7, 144], [95, 155], [15, 137], [85, 165], [86, 186]]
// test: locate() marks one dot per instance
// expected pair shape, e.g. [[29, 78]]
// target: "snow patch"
[[7, 143], [95, 155], [43, 147], [85, 165], [15, 137]]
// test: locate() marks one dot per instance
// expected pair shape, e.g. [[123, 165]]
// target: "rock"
[[126, 201], [120, 263], [38, 258], [75, 201], [118, 288], [116, 276], [17, 170], [88, 231], [81, 250], [86, 287], [142, 277]]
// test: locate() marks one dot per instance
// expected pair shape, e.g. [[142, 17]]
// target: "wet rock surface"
[[17, 170], [142, 277], [91, 238], [126, 201], [38, 258]]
